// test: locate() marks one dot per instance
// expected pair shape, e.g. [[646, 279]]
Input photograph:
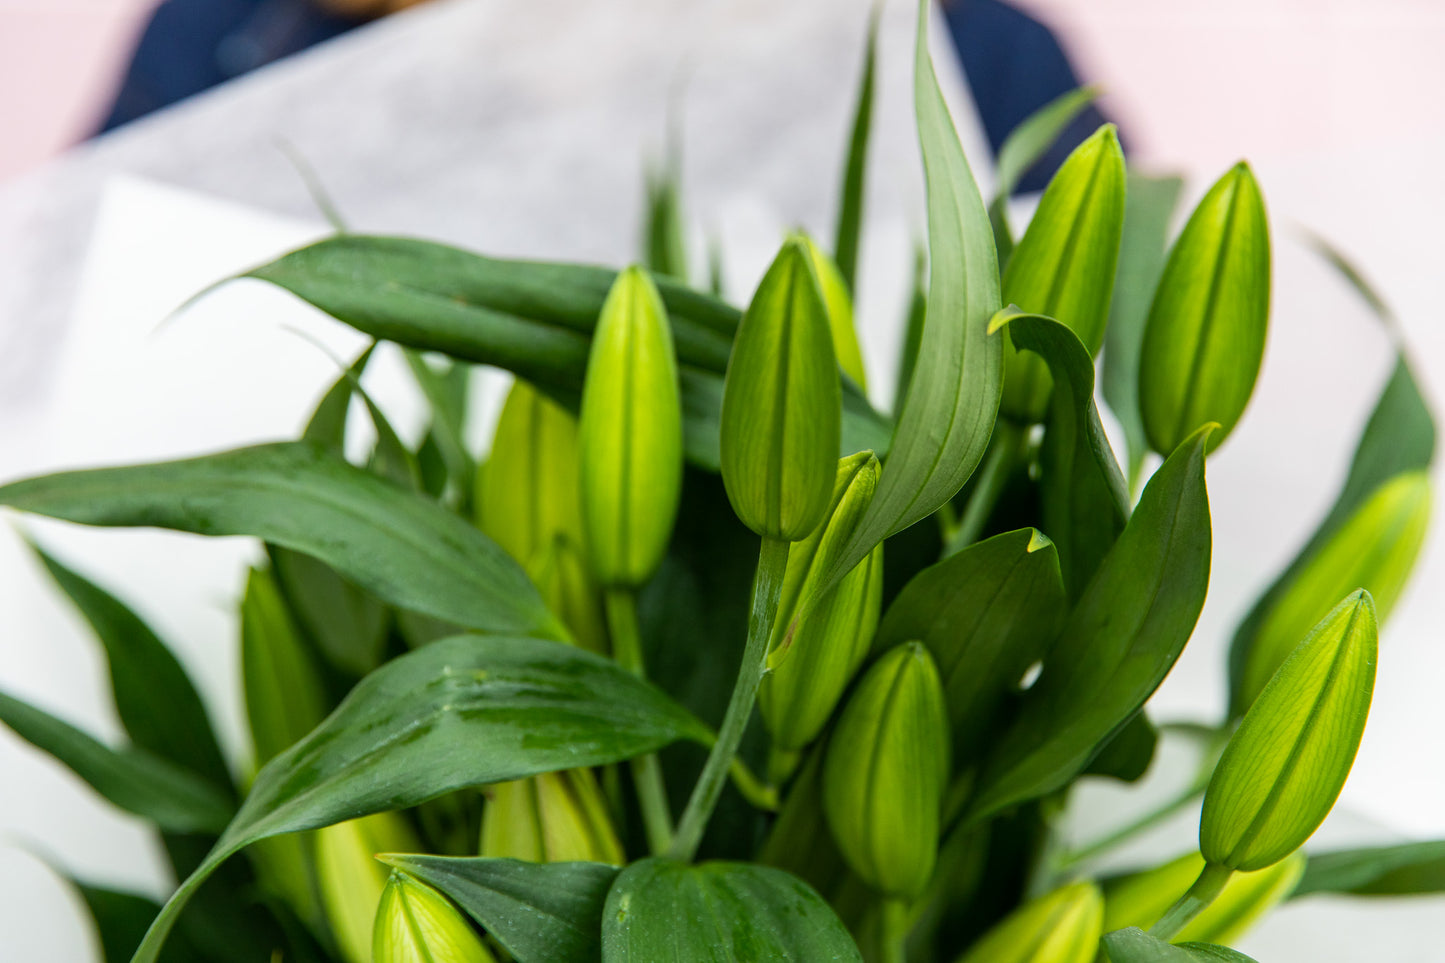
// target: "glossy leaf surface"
[[1119, 642], [155, 699], [1288, 760], [953, 393], [402, 547], [539, 912], [986, 614], [1377, 871], [1142, 252], [1064, 265], [139, 782], [661, 911], [1085, 501], [1205, 337], [460, 712]]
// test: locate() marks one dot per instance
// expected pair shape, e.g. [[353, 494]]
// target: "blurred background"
[[522, 128]]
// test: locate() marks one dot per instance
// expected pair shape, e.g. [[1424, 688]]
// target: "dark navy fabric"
[[191, 45], [1014, 65]]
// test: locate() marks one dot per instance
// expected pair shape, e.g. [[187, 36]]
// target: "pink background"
[[1191, 82]]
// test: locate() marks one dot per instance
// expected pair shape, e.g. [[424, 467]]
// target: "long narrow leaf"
[[157, 704], [400, 546], [135, 780], [465, 711], [1401, 870], [850, 208], [954, 393]]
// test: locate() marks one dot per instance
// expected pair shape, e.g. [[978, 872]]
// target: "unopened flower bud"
[[351, 880], [839, 304], [1060, 927], [630, 439], [886, 771], [814, 659], [782, 404], [417, 924], [1287, 762], [552, 818]]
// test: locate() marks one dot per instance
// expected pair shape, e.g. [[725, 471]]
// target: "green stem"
[[893, 931], [767, 586], [999, 462], [1200, 895], [621, 605]]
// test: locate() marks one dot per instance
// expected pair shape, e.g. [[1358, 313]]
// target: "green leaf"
[[447, 405], [1375, 550], [1400, 870], [953, 395], [157, 704], [401, 547], [1133, 945], [665, 233], [912, 328], [1120, 640], [1205, 336], [1128, 755], [327, 425], [1354, 277], [139, 782], [1288, 760], [780, 424], [661, 911], [532, 318], [465, 711], [539, 912], [1023, 148], [284, 697], [1064, 266], [120, 920], [986, 614], [850, 206], [1147, 213], [347, 625], [1398, 438], [1085, 502]]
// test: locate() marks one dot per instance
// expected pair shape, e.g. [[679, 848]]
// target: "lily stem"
[[767, 587], [621, 605], [1200, 895]]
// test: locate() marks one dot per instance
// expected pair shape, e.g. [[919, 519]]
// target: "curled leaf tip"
[[1037, 540], [1003, 316]]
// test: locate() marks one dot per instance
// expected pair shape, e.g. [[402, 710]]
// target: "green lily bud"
[[417, 924], [284, 697], [351, 879], [1205, 336], [630, 440], [886, 771], [1064, 265], [1374, 549], [1061, 927], [556, 817], [813, 662], [1140, 899], [527, 488], [782, 404], [561, 575], [1286, 764], [840, 313]]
